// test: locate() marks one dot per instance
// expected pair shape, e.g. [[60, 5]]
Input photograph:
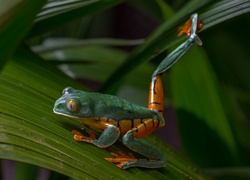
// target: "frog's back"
[[124, 114], [120, 109]]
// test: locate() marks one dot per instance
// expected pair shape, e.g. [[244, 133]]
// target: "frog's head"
[[73, 103]]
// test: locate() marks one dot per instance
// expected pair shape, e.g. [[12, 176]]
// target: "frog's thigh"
[[155, 158], [108, 137]]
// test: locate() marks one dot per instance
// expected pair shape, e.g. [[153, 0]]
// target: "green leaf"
[[166, 10], [54, 44], [83, 61], [230, 173], [16, 19], [230, 59], [58, 13], [31, 133], [199, 104]]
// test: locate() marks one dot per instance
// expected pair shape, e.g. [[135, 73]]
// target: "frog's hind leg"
[[156, 95], [154, 157]]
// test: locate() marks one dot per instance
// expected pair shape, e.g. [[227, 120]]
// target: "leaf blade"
[[16, 20]]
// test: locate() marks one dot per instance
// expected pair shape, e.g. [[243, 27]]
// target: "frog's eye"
[[72, 106]]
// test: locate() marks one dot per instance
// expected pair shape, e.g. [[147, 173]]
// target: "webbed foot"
[[121, 159], [80, 137]]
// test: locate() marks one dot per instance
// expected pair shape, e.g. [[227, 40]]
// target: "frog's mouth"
[[63, 114]]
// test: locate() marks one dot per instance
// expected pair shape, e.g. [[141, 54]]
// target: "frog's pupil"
[[72, 106]]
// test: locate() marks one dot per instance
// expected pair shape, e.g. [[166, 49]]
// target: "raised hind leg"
[[191, 27], [156, 95], [154, 157]]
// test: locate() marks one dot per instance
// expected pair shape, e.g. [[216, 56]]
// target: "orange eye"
[[72, 105]]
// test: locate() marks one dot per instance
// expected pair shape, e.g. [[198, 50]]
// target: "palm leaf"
[[57, 13], [16, 19]]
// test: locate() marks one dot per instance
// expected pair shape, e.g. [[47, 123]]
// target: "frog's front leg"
[[154, 157], [107, 138]]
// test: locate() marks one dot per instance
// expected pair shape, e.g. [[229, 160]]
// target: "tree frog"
[[118, 117]]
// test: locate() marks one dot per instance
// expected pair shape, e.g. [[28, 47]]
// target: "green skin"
[[95, 105]]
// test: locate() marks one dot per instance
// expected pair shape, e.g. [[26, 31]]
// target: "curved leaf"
[[67, 43], [56, 14], [16, 18], [199, 104]]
